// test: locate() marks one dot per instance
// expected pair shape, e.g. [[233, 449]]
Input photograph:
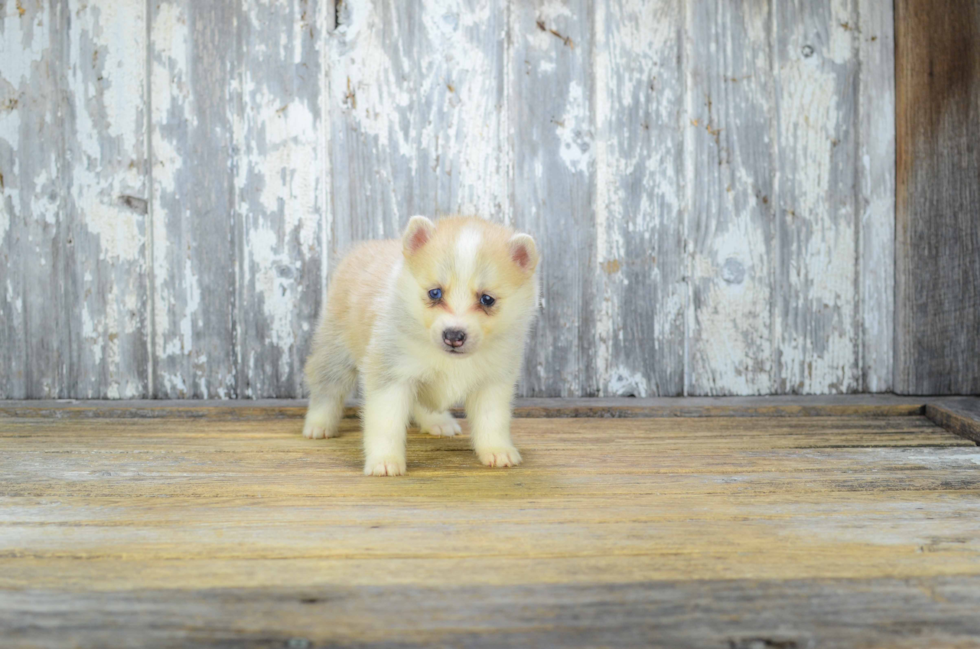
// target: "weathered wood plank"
[[550, 99], [639, 95], [196, 234], [958, 415], [281, 197], [730, 190], [879, 405], [35, 224], [462, 155], [777, 406], [876, 204], [816, 335], [417, 108], [937, 273], [106, 170], [740, 614], [372, 84]]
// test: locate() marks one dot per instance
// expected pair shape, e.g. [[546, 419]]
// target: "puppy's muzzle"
[[454, 338]]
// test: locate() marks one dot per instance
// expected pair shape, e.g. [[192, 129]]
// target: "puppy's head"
[[472, 282]]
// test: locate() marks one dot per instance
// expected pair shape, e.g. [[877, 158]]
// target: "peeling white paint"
[[460, 129], [818, 349], [5, 217], [575, 131], [876, 128], [608, 241], [23, 44], [422, 107], [623, 383], [278, 294], [192, 301], [638, 207]]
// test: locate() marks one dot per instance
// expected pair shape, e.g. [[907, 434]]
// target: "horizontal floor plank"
[[791, 614], [856, 405], [959, 415]]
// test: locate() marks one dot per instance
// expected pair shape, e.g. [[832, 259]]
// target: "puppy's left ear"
[[523, 252]]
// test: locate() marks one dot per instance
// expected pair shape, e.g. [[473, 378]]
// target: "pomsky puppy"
[[437, 318]]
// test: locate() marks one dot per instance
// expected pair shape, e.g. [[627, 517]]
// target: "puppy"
[[437, 318]]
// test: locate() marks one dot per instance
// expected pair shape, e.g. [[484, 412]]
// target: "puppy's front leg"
[[488, 411], [386, 409]]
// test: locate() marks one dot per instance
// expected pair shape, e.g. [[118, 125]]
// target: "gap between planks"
[[959, 415]]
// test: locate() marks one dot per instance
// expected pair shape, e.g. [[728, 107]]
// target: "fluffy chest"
[[443, 387]]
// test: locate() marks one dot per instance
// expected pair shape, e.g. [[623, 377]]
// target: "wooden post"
[[937, 273]]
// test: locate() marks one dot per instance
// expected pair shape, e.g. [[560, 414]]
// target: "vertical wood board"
[[730, 175], [196, 93], [815, 72], [34, 336], [937, 273], [640, 287], [281, 195], [552, 121]]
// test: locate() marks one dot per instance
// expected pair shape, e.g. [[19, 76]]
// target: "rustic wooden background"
[[711, 181]]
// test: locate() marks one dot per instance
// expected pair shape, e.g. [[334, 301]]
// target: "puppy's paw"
[[444, 425], [314, 431], [319, 425], [385, 466], [499, 456]]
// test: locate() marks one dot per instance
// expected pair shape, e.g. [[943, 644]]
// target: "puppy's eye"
[[435, 294], [486, 300]]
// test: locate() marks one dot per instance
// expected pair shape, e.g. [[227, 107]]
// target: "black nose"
[[454, 337]]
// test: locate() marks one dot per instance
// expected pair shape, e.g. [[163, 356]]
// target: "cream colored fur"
[[380, 322]]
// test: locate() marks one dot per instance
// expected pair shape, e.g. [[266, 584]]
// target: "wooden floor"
[[730, 532]]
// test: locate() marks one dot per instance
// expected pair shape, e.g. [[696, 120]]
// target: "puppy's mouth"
[[455, 351]]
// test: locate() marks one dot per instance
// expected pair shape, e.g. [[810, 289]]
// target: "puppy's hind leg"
[[330, 375], [440, 424]]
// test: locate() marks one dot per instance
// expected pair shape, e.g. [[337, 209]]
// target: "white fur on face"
[[467, 246]]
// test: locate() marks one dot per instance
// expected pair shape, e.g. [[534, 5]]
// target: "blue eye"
[[486, 300], [436, 294]]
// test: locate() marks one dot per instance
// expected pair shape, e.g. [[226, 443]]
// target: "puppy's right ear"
[[417, 233]]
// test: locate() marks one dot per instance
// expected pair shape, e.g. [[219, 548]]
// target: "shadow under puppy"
[[434, 319]]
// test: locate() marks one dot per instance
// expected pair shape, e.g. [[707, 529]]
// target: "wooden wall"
[[711, 182], [938, 262]]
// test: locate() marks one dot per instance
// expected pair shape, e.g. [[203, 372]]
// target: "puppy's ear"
[[523, 252], [417, 233]]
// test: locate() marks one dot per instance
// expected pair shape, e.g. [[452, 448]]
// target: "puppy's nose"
[[454, 337]]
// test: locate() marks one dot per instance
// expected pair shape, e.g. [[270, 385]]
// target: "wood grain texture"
[[638, 72], [35, 296], [730, 189], [876, 202], [73, 148], [710, 184], [280, 175], [937, 272], [418, 125], [959, 415], [552, 118], [196, 96], [106, 149], [865, 405], [839, 531], [817, 338], [371, 85], [933, 612]]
